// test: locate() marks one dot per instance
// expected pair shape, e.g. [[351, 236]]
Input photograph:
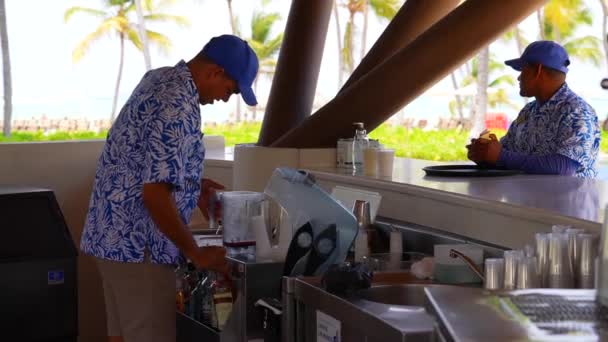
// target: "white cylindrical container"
[[385, 162], [370, 161], [263, 250]]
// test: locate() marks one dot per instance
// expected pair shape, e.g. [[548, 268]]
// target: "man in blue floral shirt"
[[149, 181], [556, 134]]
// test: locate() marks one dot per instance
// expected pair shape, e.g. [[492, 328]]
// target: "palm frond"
[[162, 42], [267, 50], [494, 65], [133, 37], [500, 97], [165, 18], [84, 10], [385, 8], [585, 49], [161, 4], [119, 3], [509, 35], [347, 47], [504, 79], [561, 18], [256, 46], [261, 24], [83, 47], [119, 23]]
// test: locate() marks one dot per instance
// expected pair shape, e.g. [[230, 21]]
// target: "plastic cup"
[[385, 162], [370, 161]]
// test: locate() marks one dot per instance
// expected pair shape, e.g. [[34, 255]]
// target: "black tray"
[[467, 171]]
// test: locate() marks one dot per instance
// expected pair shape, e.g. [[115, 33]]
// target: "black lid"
[[32, 225]]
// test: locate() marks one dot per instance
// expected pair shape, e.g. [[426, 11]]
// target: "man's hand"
[[483, 151], [212, 258], [208, 190]]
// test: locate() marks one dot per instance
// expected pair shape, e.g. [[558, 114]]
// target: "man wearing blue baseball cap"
[[149, 180], [558, 133]]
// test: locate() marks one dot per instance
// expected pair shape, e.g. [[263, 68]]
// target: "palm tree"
[[604, 4], [457, 97], [497, 96], [384, 9], [235, 31], [233, 19], [560, 21], [339, 40], [265, 47], [115, 20], [481, 99], [517, 35], [6, 72], [141, 29]]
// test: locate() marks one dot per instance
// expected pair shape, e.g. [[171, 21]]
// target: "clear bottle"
[[222, 300], [207, 308], [360, 142]]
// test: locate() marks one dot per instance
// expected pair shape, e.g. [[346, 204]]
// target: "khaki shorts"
[[140, 300]]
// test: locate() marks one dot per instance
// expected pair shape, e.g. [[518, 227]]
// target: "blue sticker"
[[55, 277]]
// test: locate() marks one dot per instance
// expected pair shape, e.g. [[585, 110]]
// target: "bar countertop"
[[506, 210], [574, 197]]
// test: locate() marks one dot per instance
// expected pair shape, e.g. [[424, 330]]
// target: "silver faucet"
[[456, 254]]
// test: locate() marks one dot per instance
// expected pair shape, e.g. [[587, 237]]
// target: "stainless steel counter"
[[481, 207], [565, 196], [359, 319], [467, 314], [506, 211]]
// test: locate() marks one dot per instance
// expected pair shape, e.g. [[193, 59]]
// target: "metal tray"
[[467, 171]]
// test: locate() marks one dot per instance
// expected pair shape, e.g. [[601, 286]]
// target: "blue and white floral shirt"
[[156, 138], [564, 125]]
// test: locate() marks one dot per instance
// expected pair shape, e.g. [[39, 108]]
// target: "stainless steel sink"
[[403, 294]]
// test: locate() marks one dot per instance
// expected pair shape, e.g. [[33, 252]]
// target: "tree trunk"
[[457, 97], [340, 64], [231, 15], [541, 24], [520, 49], [141, 29], [254, 111], [519, 40], [364, 31], [120, 65], [605, 28], [237, 116], [6, 72], [348, 43], [481, 103]]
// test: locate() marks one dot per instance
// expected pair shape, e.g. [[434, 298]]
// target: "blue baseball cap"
[[238, 60], [545, 52]]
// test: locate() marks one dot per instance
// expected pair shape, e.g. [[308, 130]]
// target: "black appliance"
[[38, 282]]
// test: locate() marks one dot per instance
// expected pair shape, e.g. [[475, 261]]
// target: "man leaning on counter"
[[558, 133]]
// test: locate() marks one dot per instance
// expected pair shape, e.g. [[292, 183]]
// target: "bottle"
[[360, 142], [207, 307], [180, 288], [222, 301]]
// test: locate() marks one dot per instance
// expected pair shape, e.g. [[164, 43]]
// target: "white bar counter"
[[505, 211]]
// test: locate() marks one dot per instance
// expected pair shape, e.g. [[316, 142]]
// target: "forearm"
[[159, 201], [554, 164]]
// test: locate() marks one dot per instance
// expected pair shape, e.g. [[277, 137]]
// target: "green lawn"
[[57, 136], [431, 145]]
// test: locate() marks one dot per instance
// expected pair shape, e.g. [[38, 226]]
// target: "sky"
[[45, 80]]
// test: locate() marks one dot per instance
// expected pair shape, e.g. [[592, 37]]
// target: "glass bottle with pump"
[[360, 142]]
